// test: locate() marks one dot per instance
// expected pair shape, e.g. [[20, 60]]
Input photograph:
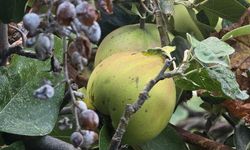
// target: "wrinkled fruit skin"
[[119, 79], [129, 38]]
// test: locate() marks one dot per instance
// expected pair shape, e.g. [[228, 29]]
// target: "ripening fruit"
[[119, 79], [76, 139], [89, 120], [65, 13], [129, 38], [31, 21]]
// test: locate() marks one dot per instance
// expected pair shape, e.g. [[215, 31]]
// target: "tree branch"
[[49, 143], [161, 24], [143, 96], [19, 51], [4, 44], [200, 141]]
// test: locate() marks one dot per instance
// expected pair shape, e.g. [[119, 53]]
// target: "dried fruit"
[[86, 13], [76, 138], [65, 13], [89, 138], [31, 21]]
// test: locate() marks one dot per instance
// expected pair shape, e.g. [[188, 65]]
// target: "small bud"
[[76, 138], [89, 120], [31, 21], [46, 91], [65, 13], [44, 46], [89, 138], [81, 106]]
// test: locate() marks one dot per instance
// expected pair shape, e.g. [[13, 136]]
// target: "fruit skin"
[[119, 79], [129, 38]]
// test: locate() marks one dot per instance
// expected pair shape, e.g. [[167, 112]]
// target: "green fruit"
[[129, 38], [119, 79], [184, 21]]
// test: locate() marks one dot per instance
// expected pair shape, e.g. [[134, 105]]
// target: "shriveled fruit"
[[65, 13], [129, 38], [119, 79]]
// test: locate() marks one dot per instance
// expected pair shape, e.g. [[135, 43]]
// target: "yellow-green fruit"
[[129, 38], [119, 79]]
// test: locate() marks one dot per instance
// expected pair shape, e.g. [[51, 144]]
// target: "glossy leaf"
[[228, 82], [168, 139], [12, 10], [227, 9], [213, 51], [20, 112]]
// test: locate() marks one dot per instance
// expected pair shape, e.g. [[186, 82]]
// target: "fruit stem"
[[67, 79]]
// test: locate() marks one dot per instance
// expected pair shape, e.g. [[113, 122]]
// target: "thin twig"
[[19, 51], [143, 96], [21, 32], [68, 81]]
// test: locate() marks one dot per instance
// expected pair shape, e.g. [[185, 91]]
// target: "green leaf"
[[135, 10], [242, 137], [213, 51], [20, 112], [244, 30], [12, 10], [228, 82], [194, 43], [168, 139], [227, 9], [104, 138], [15, 146], [218, 79]]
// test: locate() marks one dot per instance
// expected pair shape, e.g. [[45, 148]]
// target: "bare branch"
[[201, 141], [19, 51]]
